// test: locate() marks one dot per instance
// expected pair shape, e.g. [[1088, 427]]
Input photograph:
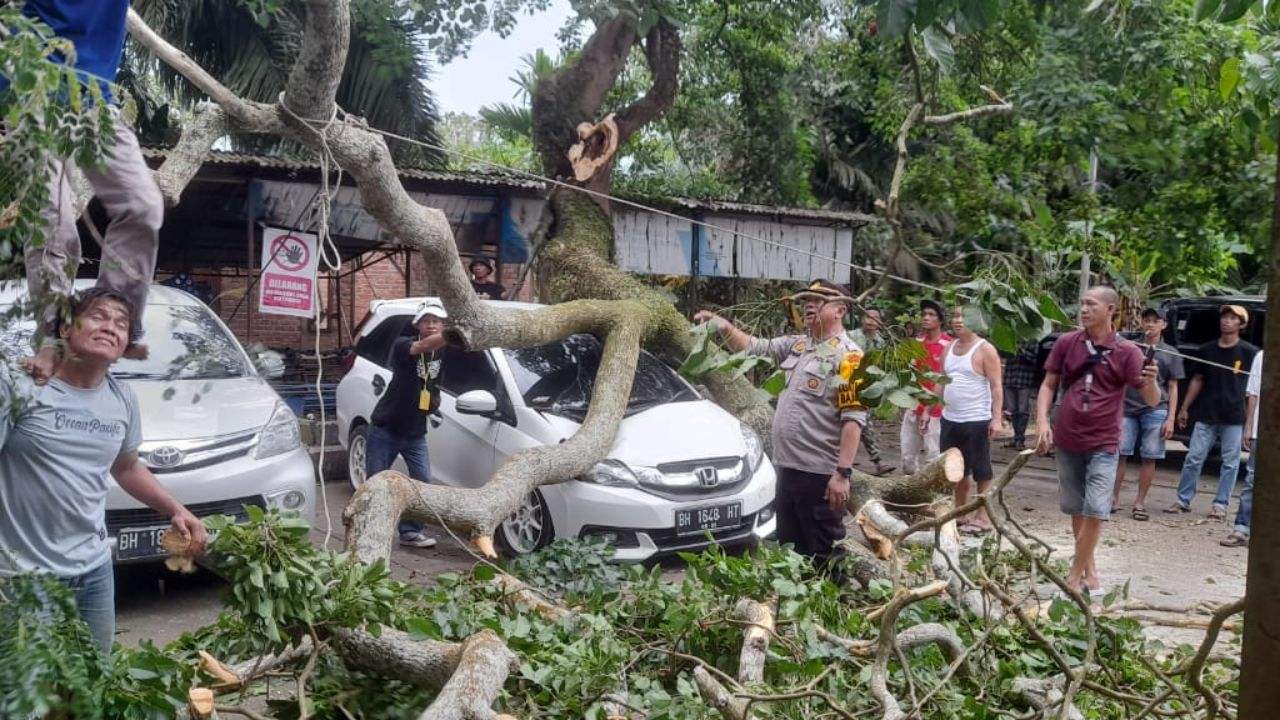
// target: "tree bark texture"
[[759, 620], [1260, 658]]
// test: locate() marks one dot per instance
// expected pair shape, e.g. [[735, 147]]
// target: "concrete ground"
[[1170, 559]]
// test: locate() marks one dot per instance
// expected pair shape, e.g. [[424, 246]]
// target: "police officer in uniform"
[[818, 421]]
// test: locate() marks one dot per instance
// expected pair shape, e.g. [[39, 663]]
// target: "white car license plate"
[[715, 517]]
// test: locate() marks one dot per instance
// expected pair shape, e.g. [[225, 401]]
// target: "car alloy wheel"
[[528, 528], [357, 450]]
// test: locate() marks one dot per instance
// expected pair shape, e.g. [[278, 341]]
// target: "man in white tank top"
[[971, 411]]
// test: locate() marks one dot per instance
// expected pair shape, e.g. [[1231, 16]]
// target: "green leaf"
[[1003, 336], [975, 319], [893, 17], [938, 46], [1206, 8], [902, 399], [1233, 10], [1228, 77], [484, 572], [1049, 309], [775, 383]]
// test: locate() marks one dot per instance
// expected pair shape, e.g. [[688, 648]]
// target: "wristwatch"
[[844, 472]]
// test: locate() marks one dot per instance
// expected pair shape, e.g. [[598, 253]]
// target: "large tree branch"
[[371, 515], [662, 50], [207, 123], [317, 72]]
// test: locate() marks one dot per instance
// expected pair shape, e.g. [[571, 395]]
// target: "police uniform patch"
[[798, 347], [813, 383], [847, 397]]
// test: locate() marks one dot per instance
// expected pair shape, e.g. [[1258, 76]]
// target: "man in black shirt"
[[482, 279], [399, 422], [1217, 397]]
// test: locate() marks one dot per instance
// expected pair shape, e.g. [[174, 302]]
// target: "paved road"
[[1172, 559]]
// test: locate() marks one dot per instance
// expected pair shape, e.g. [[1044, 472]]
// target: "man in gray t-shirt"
[[1145, 429], [58, 444]]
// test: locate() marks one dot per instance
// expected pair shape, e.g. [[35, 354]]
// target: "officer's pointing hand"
[[837, 495], [705, 316]]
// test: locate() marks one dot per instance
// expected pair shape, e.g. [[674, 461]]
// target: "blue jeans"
[[1245, 512], [1203, 438], [95, 593], [380, 453]]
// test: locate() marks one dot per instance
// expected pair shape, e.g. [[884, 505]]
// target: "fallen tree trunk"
[[755, 641]]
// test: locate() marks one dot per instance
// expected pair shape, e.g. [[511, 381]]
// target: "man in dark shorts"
[[1144, 430], [1093, 366], [1216, 398], [818, 423], [971, 404], [399, 422]]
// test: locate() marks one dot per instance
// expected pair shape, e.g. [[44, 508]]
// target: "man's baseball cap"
[[431, 307], [934, 305], [480, 260], [1236, 310], [1153, 310]]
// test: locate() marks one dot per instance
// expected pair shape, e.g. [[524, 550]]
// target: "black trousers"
[[804, 519]]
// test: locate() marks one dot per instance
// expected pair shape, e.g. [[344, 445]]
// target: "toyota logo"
[[165, 457], [707, 476]]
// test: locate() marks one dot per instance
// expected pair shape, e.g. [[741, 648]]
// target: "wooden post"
[[1260, 661]]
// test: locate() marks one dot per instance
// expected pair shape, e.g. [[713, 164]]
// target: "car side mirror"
[[477, 402], [270, 364]]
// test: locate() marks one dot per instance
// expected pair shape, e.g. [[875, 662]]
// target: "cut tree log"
[[200, 704], [718, 696], [919, 489], [756, 637]]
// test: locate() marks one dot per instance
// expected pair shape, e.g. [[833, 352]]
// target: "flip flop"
[[1177, 508], [1234, 540], [1140, 514], [1216, 514]]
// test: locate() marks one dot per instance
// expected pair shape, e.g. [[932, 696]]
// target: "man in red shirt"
[[921, 427], [1093, 366]]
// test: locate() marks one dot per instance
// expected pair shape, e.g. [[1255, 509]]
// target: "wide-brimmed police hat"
[[824, 291]]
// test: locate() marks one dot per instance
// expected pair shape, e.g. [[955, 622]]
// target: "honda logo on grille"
[[707, 476], [165, 457]]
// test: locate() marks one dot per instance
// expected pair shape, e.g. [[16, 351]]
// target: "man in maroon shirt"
[[1093, 366]]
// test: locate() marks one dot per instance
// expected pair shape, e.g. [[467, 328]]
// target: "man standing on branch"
[[972, 402], [921, 427], [1144, 430], [1216, 397], [58, 443], [124, 184], [869, 337], [819, 420], [1093, 367], [399, 421], [1239, 536]]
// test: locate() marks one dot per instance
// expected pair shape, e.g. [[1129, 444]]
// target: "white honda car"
[[681, 469], [215, 434]]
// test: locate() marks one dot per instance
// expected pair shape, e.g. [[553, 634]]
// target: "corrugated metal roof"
[[519, 182], [278, 162]]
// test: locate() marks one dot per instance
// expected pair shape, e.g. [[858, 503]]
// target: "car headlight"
[[279, 435], [612, 472], [755, 448]]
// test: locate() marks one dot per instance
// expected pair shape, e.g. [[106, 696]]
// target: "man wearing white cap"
[[399, 423]]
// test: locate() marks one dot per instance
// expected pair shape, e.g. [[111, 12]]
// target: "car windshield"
[[559, 378], [185, 342]]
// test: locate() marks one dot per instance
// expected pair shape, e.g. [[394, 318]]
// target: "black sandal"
[[1140, 514]]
